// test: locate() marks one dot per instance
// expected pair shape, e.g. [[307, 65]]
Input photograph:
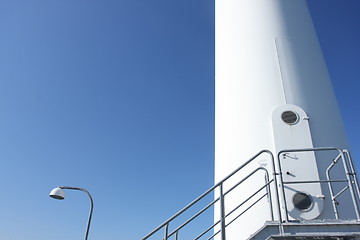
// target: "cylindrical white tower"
[[272, 92]]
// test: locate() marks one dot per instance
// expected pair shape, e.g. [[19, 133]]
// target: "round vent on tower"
[[302, 201], [290, 117]]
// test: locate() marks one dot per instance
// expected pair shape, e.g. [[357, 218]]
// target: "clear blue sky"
[[117, 96]]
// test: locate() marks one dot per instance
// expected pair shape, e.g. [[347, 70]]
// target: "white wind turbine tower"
[[282, 170]]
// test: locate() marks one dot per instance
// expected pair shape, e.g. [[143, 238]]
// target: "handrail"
[[346, 164], [353, 173], [276, 181], [351, 179], [219, 184], [328, 177]]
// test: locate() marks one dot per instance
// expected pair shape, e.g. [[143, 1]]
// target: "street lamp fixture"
[[59, 193]]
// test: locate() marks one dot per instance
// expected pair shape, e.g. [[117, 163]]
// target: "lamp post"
[[58, 193]]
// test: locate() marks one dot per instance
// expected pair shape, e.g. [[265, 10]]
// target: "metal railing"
[[349, 172], [220, 200], [274, 181]]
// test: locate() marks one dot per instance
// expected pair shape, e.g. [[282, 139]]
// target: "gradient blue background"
[[117, 96]]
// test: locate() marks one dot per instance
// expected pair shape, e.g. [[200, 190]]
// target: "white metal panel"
[[300, 166]]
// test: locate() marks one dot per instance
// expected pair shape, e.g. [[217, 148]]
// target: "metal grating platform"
[[319, 237], [309, 230]]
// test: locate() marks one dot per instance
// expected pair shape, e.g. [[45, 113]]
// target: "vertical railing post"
[[222, 213], [268, 192], [277, 196], [331, 190], [282, 189], [350, 184], [353, 173], [166, 233]]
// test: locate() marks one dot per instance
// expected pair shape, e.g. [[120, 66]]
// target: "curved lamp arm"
[[91, 204]]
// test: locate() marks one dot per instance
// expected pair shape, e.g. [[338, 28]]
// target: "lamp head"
[[58, 193]]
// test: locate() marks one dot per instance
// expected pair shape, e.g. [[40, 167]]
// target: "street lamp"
[[58, 193]]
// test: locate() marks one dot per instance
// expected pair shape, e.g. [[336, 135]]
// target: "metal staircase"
[[195, 220]]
